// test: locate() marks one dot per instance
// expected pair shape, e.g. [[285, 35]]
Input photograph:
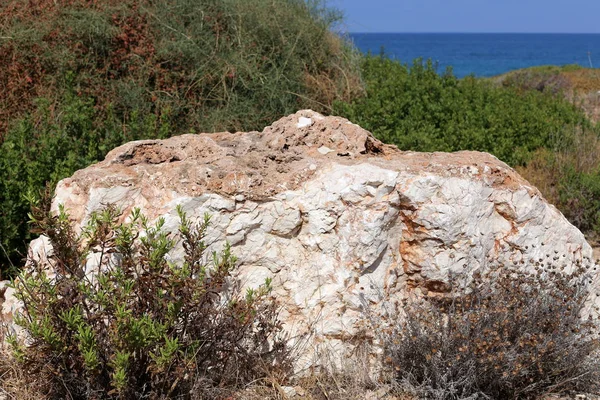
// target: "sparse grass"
[[14, 382], [578, 84], [569, 178]]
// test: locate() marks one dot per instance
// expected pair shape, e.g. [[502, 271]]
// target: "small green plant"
[[513, 332], [112, 318]]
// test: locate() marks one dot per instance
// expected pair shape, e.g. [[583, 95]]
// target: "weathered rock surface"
[[339, 220]]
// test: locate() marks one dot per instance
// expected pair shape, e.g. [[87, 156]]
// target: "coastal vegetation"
[[80, 77], [143, 327]]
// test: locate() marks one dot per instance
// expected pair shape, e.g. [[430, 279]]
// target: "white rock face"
[[359, 225]]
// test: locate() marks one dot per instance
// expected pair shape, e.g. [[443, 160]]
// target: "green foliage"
[[418, 109], [134, 325], [50, 145], [512, 332]]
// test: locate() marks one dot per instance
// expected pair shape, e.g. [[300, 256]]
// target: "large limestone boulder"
[[340, 221]]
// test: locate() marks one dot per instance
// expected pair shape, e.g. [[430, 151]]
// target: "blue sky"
[[521, 16]]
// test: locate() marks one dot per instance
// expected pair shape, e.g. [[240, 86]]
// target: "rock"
[[357, 226], [289, 391]]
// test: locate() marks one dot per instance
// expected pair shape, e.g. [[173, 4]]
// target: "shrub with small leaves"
[[511, 332], [112, 318]]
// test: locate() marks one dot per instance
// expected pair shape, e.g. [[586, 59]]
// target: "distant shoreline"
[[484, 54]]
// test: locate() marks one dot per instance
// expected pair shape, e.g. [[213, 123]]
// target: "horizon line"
[[475, 33]]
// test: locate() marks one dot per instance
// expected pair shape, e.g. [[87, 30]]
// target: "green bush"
[[513, 332], [418, 109], [524, 123], [50, 145], [134, 325]]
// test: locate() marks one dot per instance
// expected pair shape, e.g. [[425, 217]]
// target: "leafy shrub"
[[132, 324], [50, 145], [512, 332], [418, 109], [549, 139]]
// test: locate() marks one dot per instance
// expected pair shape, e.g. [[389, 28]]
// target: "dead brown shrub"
[[512, 332]]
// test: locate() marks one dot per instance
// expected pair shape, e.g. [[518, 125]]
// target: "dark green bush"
[[50, 145], [418, 109], [136, 326], [513, 332]]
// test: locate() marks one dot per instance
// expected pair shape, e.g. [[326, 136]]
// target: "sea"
[[483, 55]]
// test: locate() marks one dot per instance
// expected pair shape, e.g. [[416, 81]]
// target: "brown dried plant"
[[514, 331]]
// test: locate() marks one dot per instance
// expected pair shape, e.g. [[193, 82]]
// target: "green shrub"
[[549, 139], [513, 332], [418, 109], [50, 145], [135, 325]]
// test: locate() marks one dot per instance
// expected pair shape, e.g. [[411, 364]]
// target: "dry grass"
[[339, 385], [14, 384], [579, 85]]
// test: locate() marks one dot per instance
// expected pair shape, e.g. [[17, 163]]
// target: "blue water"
[[484, 54]]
